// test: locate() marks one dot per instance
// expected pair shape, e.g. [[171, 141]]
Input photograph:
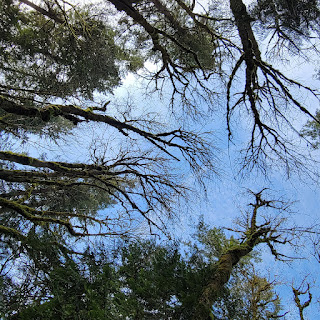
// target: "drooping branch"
[[36, 216], [13, 233], [137, 183], [192, 67], [189, 144], [266, 95]]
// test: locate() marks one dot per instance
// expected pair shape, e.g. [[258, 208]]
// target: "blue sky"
[[226, 194]]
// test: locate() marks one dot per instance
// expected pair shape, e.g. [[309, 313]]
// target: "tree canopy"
[[145, 280], [61, 65]]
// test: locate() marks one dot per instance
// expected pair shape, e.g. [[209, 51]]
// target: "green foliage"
[[82, 199], [161, 284], [213, 240], [145, 280], [311, 130], [41, 57], [248, 296], [201, 48], [44, 58], [293, 18], [188, 47]]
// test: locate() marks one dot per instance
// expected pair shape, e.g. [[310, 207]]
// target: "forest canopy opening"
[[222, 60]]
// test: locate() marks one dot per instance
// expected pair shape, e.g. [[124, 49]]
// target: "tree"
[[249, 296], [49, 79], [28, 91], [299, 304], [267, 98], [146, 280], [47, 56], [312, 130], [53, 54], [291, 21]]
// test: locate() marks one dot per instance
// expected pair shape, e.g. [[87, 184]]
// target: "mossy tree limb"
[[221, 271], [301, 305], [187, 143]]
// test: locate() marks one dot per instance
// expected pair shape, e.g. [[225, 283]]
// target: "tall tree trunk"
[[243, 23]]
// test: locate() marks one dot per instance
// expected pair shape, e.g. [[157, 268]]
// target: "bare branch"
[[301, 306]]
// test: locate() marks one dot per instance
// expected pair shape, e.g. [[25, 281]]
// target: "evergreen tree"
[[52, 55], [145, 280], [213, 279], [240, 72], [311, 130]]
